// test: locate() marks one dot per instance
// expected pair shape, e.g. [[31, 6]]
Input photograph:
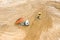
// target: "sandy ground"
[[45, 28]]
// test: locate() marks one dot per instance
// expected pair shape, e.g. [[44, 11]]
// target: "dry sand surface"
[[46, 27]]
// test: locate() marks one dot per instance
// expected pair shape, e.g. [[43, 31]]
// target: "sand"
[[46, 27]]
